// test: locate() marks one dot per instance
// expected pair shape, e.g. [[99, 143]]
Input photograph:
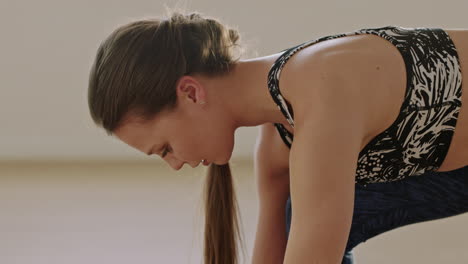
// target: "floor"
[[123, 212]]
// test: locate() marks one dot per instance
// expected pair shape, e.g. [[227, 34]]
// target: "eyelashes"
[[164, 152]]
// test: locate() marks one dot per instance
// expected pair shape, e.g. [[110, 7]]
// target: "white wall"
[[119, 212], [47, 48]]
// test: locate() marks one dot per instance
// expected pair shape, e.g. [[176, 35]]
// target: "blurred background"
[[70, 194]]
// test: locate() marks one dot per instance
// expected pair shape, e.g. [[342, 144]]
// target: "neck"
[[244, 93]]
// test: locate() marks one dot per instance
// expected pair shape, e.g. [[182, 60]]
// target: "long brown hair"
[[134, 74]]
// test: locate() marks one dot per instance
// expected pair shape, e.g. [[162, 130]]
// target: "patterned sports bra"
[[419, 139]]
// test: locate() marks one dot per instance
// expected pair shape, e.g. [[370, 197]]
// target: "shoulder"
[[349, 75]]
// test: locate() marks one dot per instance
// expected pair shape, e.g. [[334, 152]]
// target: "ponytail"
[[221, 217]]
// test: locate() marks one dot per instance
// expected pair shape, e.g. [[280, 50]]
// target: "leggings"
[[380, 207]]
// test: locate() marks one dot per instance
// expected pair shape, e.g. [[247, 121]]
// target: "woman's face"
[[191, 133]]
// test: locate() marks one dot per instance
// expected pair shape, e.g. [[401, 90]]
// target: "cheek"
[[214, 142], [191, 145]]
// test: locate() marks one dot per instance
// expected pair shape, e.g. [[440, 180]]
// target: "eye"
[[164, 152]]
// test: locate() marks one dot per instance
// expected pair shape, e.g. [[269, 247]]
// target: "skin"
[[242, 99], [323, 192], [236, 100]]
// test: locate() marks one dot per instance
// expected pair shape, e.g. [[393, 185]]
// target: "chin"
[[228, 158], [225, 158], [214, 162]]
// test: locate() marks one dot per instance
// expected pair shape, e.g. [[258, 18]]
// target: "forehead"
[[138, 133]]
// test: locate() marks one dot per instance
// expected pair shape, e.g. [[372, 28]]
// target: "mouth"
[[206, 163]]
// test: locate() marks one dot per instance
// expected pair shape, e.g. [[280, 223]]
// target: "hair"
[[135, 72]]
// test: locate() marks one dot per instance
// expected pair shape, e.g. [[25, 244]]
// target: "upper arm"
[[323, 161], [272, 180], [271, 162]]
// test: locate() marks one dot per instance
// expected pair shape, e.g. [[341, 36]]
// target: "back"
[[418, 138]]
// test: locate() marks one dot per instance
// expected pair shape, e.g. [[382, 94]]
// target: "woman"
[[384, 102]]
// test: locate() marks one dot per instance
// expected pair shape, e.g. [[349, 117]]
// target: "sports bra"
[[419, 139]]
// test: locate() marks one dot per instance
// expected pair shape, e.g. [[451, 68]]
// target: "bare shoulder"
[[365, 73]]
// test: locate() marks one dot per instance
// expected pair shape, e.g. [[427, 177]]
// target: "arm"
[[323, 161], [273, 190], [270, 237], [322, 191]]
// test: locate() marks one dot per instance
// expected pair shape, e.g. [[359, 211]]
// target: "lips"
[[206, 163]]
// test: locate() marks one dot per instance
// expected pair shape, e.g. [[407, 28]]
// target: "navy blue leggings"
[[380, 207]]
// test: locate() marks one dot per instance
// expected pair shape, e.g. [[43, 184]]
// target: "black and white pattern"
[[419, 139]]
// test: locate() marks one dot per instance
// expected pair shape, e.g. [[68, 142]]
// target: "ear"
[[190, 88]]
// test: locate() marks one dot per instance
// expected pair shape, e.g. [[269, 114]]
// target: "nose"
[[176, 164], [193, 164], [175, 167]]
